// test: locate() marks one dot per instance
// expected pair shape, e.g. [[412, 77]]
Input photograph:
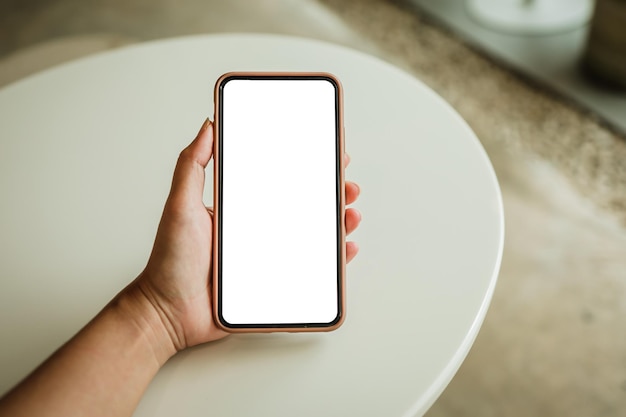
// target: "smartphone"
[[279, 247]]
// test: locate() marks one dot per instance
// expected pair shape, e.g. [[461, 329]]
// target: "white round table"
[[87, 150]]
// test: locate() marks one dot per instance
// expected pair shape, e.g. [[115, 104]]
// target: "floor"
[[553, 342]]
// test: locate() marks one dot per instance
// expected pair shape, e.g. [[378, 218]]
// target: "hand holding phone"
[[178, 277]]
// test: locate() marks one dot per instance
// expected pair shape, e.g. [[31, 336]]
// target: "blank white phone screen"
[[279, 202]]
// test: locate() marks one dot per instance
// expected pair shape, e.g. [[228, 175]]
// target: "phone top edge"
[[225, 78]]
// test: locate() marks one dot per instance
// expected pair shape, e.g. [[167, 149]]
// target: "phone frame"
[[341, 228]]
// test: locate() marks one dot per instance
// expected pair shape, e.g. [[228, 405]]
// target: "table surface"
[[86, 155]]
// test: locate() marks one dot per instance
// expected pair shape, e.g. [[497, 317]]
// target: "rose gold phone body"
[[341, 230]]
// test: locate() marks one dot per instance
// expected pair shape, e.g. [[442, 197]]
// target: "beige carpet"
[[554, 340]]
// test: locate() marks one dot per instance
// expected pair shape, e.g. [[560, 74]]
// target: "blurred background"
[[541, 83]]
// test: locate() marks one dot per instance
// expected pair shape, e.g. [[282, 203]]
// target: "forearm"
[[103, 370]]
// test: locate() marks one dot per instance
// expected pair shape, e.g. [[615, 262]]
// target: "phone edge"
[[342, 188]]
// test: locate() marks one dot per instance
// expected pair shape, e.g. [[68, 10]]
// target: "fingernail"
[[205, 125]]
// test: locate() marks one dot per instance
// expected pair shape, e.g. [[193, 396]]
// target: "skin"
[[105, 369]]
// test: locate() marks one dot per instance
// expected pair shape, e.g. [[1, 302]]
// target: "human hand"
[[177, 278]]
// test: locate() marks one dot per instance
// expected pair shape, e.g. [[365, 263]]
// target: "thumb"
[[188, 181]]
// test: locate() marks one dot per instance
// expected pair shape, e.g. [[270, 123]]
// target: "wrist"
[[134, 306]]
